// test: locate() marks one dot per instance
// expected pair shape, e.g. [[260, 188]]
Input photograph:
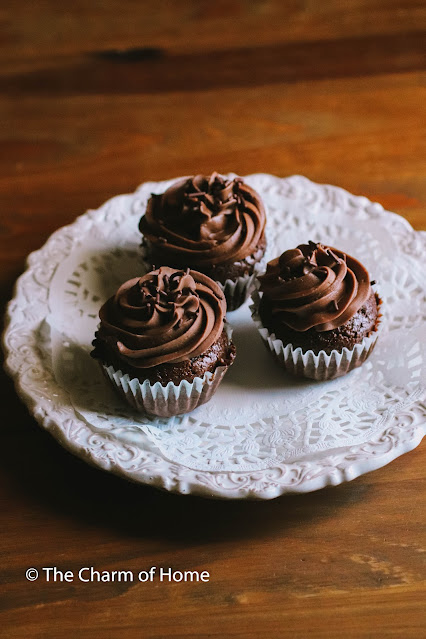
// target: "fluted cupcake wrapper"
[[321, 366], [172, 399], [165, 401], [236, 291]]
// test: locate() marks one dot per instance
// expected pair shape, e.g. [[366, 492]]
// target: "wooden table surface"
[[101, 96]]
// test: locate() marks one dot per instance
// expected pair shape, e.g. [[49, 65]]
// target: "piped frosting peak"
[[205, 220], [315, 286], [167, 315]]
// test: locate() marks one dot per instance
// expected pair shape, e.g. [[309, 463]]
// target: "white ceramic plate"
[[263, 434]]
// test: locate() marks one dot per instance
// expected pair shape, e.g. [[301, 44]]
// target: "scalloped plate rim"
[[333, 477]]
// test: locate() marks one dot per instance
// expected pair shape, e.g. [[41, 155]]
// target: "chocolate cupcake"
[[211, 224], [163, 341], [317, 312]]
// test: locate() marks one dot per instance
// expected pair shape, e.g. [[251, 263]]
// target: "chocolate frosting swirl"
[[164, 316], [314, 286], [205, 220]]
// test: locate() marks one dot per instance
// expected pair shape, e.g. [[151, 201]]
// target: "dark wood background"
[[97, 97]]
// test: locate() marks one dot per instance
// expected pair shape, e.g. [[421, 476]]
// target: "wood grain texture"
[[99, 97]]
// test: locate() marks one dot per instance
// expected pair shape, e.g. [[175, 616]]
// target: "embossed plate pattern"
[[263, 434]]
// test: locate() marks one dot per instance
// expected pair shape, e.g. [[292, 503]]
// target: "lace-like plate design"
[[263, 433]]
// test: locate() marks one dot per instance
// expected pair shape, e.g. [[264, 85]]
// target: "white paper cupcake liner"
[[321, 366], [165, 401], [236, 291], [172, 399]]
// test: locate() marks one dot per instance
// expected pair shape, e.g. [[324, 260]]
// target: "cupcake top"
[[166, 316], [205, 220], [315, 286]]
